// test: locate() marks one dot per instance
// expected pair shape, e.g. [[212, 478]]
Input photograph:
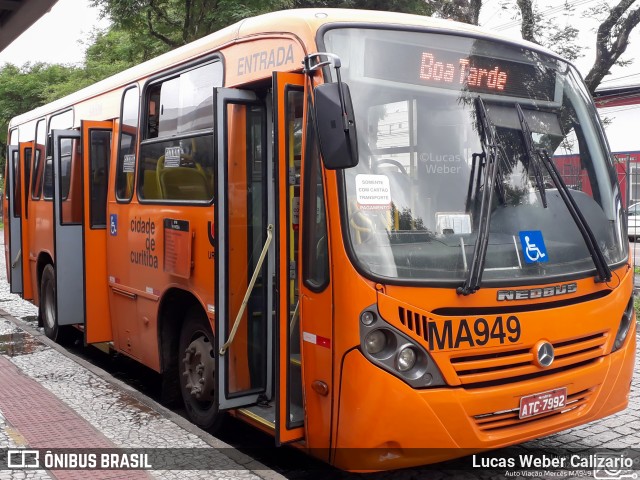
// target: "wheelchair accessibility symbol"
[[533, 247], [113, 222]]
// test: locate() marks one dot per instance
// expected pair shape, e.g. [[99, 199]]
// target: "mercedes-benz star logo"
[[544, 354]]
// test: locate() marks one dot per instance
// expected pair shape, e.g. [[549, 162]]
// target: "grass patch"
[[636, 270], [636, 306]]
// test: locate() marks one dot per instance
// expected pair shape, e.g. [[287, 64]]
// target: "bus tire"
[[47, 309], [196, 365]]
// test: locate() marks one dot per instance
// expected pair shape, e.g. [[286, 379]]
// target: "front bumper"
[[385, 424]]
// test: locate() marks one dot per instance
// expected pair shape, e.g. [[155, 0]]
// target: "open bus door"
[[67, 221], [79, 202], [26, 154], [96, 145], [288, 92], [244, 297], [257, 218], [15, 219]]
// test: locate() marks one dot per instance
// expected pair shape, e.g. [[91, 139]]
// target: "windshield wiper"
[[534, 157], [490, 159], [602, 267]]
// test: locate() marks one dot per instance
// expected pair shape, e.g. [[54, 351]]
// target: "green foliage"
[[418, 7], [25, 88], [167, 24], [116, 49]]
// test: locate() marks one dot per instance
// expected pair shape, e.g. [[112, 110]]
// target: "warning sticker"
[[129, 164], [295, 213], [373, 192], [172, 157]]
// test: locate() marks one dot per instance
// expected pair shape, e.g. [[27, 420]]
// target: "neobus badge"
[[525, 294]]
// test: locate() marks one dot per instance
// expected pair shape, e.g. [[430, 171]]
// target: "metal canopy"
[[16, 16]]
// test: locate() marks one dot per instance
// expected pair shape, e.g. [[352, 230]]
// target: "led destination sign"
[[457, 70], [463, 73]]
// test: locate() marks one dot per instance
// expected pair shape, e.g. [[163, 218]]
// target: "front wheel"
[[196, 364], [47, 308]]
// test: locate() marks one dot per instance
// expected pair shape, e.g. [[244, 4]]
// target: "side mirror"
[[336, 126]]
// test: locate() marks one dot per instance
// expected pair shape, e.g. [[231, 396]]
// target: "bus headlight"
[[368, 317], [384, 345], [406, 359], [625, 325], [375, 342]]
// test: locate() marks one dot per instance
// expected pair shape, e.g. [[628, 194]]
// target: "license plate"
[[544, 402]]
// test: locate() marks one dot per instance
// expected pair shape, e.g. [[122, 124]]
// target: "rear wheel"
[[196, 364], [47, 310]]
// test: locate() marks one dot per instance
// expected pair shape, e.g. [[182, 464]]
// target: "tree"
[[612, 38], [114, 50], [28, 87], [467, 11], [172, 23], [418, 7]]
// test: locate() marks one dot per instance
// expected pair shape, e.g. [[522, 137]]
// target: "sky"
[[621, 128], [501, 21], [56, 36]]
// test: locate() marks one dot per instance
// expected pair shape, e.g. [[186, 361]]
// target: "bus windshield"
[[413, 203]]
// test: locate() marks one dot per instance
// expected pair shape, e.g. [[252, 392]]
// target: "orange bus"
[[345, 227]]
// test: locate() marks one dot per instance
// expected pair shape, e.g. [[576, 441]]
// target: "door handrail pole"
[[243, 306]]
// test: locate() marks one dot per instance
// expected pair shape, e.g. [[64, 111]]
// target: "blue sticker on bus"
[[113, 224], [533, 247]]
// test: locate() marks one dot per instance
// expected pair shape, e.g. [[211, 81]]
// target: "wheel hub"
[[199, 368]]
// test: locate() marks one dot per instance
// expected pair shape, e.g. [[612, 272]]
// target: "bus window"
[[126, 166], [12, 141], [28, 153], [315, 267], [36, 178], [71, 188], [184, 103], [57, 122], [47, 180], [17, 210], [177, 169], [180, 168], [247, 220], [295, 101], [100, 145]]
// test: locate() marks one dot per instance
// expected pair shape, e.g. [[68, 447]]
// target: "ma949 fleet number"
[[472, 333]]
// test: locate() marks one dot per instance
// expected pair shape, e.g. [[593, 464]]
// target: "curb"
[[242, 459]]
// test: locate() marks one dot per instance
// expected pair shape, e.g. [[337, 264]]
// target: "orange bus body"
[[171, 229]]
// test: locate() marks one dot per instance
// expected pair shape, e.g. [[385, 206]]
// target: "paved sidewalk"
[[49, 400], [38, 419]]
